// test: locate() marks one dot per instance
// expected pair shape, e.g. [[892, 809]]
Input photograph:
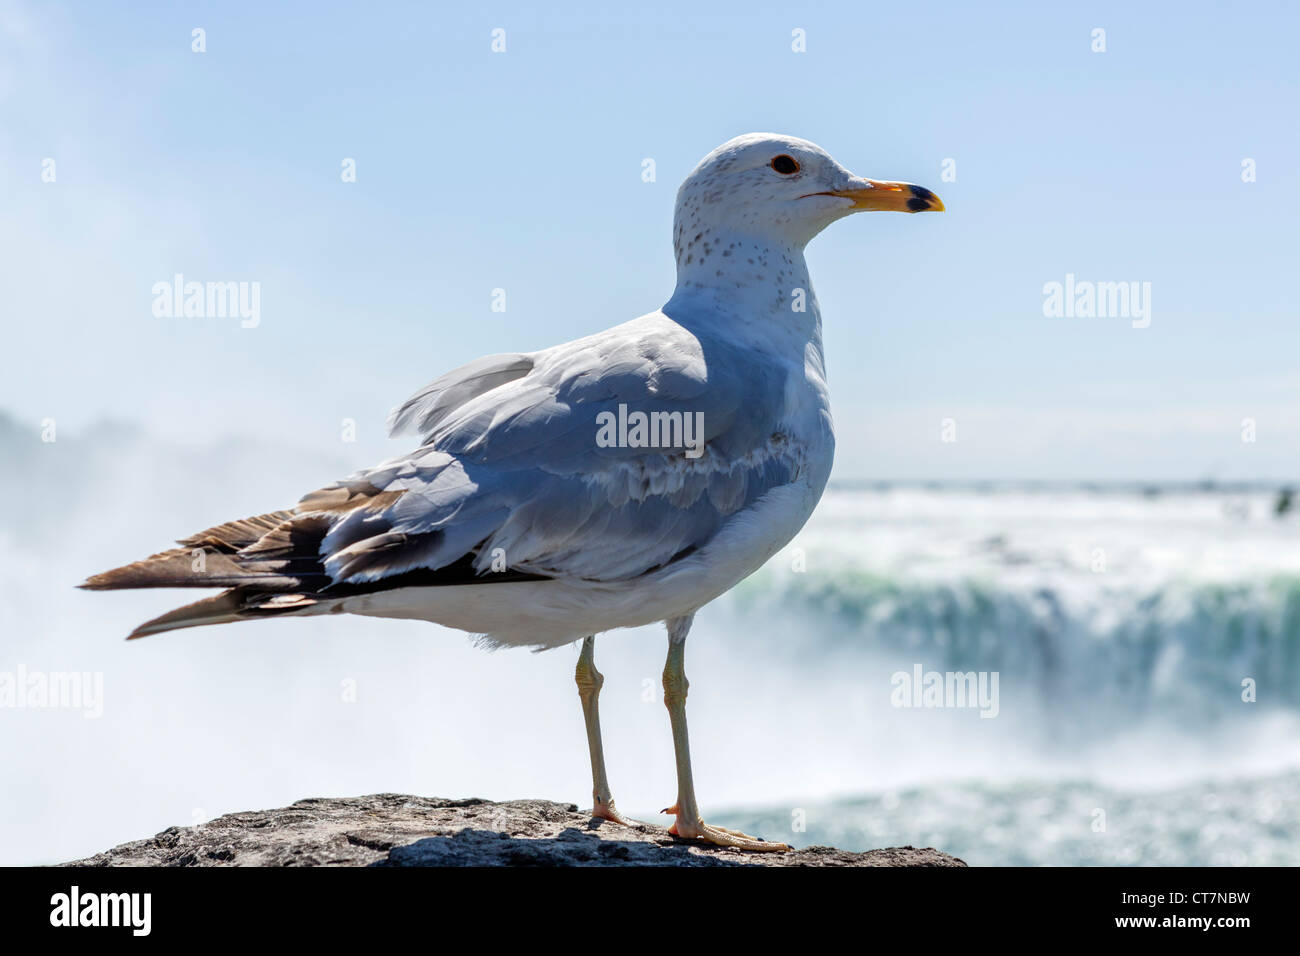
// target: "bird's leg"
[[589, 682], [689, 824]]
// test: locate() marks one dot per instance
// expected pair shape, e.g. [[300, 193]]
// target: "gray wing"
[[511, 470], [423, 410]]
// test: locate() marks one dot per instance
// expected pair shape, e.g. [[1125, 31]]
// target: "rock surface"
[[390, 829]]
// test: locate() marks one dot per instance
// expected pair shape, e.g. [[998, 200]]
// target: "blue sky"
[[522, 170]]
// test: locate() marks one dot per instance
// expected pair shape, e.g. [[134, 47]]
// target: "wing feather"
[[510, 465], [510, 473]]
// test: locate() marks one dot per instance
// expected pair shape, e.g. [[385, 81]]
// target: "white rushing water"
[[1126, 627]]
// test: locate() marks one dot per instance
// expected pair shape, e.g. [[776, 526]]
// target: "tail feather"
[[236, 604], [271, 564], [207, 560], [221, 609], [186, 568], [234, 535], [258, 587]]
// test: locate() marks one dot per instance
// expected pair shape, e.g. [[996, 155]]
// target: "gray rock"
[[389, 829]]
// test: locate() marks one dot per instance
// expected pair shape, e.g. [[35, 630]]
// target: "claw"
[[610, 812], [721, 836]]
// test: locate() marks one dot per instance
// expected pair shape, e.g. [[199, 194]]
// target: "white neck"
[[761, 284], [759, 297]]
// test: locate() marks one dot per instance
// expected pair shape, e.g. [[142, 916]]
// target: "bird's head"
[[781, 189]]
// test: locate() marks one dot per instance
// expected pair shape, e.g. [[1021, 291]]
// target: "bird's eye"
[[785, 165]]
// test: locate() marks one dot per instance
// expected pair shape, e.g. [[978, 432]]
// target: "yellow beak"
[[894, 197]]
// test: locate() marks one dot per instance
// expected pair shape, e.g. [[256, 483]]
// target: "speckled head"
[[779, 189]]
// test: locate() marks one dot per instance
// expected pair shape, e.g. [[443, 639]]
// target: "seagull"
[[618, 480]]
